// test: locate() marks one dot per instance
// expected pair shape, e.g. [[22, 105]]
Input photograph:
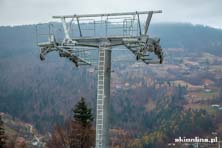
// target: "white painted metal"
[[66, 30], [107, 14]]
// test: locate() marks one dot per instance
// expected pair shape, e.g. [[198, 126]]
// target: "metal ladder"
[[100, 100]]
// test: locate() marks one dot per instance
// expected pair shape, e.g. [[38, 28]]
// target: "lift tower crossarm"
[[107, 14]]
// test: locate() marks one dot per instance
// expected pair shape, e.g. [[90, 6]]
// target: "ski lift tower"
[[101, 32]]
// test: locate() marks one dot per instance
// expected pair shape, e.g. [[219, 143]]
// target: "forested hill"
[[188, 36], [152, 103], [43, 93], [22, 39]]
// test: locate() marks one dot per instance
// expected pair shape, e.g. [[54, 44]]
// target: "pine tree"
[[82, 113], [77, 133], [2, 134], [83, 135]]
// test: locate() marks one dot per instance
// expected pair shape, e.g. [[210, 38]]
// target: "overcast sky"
[[206, 12]]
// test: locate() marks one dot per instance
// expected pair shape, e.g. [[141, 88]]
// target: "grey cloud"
[[34, 11]]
